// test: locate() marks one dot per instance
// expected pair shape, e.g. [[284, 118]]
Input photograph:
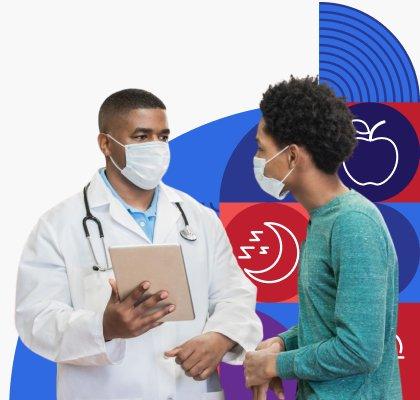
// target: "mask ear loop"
[[116, 166], [275, 155], [115, 140], [288, 174], [281, 151]]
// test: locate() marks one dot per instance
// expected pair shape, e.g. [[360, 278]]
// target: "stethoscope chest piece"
[[188, 234]]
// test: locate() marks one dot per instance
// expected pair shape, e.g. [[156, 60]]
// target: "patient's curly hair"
[[306, 113]]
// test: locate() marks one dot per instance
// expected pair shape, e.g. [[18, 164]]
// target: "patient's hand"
[[275, 384], [260, 366], [277, 343]]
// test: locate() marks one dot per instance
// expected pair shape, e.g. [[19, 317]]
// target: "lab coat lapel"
[[167, 214], [122, 216], [100, 195]]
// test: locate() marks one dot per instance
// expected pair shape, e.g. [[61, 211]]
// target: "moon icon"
[[400, 348], [251, 272]]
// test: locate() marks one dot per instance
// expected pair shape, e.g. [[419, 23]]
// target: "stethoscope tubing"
[[186, 232]]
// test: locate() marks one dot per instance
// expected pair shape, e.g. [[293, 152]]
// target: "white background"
[[205, 60]]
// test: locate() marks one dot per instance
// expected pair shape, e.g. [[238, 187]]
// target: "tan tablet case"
[[160, 264]]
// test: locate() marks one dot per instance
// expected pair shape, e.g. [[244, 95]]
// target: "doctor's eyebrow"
[[150, 130]]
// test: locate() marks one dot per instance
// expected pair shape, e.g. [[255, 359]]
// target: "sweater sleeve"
[[359, 250], [290, 338]]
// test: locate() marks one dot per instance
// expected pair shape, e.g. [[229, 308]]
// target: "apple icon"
[[377, 173]]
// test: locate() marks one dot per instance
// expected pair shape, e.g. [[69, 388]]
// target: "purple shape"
[[232, 376]]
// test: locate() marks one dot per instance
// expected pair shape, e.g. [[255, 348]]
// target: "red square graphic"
[[408, 349]]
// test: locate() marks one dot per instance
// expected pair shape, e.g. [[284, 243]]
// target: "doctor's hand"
[[132, 316], [200, 356]]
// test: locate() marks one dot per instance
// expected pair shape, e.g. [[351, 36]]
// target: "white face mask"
[[145, 163], [270, 185]]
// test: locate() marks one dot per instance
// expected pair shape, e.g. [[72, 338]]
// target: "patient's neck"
[[317, 189]]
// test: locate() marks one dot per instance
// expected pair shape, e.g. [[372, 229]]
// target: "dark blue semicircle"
[[379, 46], [406, 243]]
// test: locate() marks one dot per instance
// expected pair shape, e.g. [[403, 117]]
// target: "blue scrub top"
[[146, 219]]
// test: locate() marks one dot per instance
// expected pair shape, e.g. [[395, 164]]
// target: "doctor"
[[71, 314]]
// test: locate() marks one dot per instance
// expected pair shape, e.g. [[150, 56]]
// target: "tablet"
[[160, 264]]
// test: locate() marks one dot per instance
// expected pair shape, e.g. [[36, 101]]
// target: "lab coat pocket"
[[213, 395], [97, 290]]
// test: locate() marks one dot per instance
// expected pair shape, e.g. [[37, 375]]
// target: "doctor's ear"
[[103, 142]]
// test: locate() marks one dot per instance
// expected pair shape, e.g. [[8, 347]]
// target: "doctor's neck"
[[133, 195], [317, 188]]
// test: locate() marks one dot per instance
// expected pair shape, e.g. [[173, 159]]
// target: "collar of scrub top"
[[100, 195], [150, 212]]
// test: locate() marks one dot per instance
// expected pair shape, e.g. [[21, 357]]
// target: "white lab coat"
[[60, 300]]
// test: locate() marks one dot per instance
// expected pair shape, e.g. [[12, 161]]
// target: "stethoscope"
[[186, 232]]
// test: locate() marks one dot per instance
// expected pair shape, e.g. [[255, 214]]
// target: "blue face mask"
[[270, 185], [145, 163]]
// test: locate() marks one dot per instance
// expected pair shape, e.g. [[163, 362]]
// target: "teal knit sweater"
[[344, 344]]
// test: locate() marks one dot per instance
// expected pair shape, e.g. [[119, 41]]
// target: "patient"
[[343, 346]]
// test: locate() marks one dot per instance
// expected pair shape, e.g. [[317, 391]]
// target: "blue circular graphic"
[[361, 59], [406, 243]]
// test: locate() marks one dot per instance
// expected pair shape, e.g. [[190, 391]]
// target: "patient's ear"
[[301, 158], [294, 155]]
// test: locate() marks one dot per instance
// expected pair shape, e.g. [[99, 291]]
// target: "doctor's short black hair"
[[308, 114], [123, 101]]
